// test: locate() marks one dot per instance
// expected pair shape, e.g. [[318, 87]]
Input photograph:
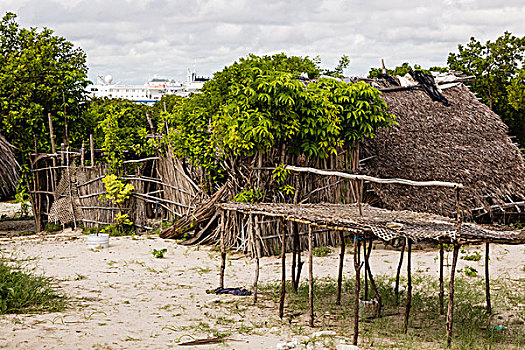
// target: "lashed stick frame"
[[364, 222]]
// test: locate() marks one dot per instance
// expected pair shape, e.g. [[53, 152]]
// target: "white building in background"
[[150, 92]]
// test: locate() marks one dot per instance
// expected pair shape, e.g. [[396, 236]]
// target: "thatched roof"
[[465, 142], [8, 168]]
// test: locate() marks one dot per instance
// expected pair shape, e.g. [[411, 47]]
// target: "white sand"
[[124, 298]]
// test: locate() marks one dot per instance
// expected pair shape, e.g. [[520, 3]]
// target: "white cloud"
[[134, 39]]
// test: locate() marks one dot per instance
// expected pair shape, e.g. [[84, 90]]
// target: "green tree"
[[338, 70], [258, 103], [497, 67], [40, 73], [119, 126]]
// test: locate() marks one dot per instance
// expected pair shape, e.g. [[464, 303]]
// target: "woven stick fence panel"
[[181, 188], [90, 189]]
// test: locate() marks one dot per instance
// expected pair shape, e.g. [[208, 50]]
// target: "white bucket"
[[99, 241]]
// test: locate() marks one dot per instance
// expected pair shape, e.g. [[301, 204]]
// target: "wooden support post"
[[398, 273], [37, 197], [357, 267], [294, 256], [409, 286], [283, 267], [54, 151], [299, 266], [365, 259], [311, 274], [358, 195], [341, 262], [450, 313], [92, 150], [62, 154], [257, 255], [487, 279], [70, 190], [82, 157], [441, 284], [373, 282], [223, 250]]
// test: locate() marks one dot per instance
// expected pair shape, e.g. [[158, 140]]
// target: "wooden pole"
[[372, 282], [294, 255], [283, 267], [62, 153], [257, 255], [36, 186], [358, 194], [70, 190], [409, 286], [450, 313], [311, 274], [366, 249], [341, 262], [92, 150], [441, 284], [398, 273], [223, 250], [487, 279], [374, 179], [150, 122], [82, 157], [299, 266], [53, 150], [357, 267]]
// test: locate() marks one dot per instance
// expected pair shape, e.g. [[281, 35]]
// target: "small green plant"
[[470, 271], [321, 251], [474, 256], [159, 254], [23, 198], [118, 192], [249, 195]]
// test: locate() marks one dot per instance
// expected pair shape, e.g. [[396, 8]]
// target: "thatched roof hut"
[[465, 142], [8, 168]]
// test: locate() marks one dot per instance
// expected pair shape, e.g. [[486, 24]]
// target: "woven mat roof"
[[381, 223]]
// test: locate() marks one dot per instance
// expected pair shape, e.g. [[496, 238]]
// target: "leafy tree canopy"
[[498, 68], [40, 73], [259, 103], [119, 126]]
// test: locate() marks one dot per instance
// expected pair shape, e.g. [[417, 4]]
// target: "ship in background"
[[151, 92]]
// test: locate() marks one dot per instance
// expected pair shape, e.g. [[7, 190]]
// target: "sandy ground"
[[125, 298]]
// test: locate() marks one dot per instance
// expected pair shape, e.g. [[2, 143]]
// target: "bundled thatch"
[[8, 167], [465, 142]]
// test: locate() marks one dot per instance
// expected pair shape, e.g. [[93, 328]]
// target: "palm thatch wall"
[[8, 168], [465, 142]]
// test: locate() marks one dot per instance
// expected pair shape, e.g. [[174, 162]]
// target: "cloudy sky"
[[135, 39]]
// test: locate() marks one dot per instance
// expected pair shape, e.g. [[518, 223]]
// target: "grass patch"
[[473, 329], [321, 251], [24, 292], [51, 227]]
